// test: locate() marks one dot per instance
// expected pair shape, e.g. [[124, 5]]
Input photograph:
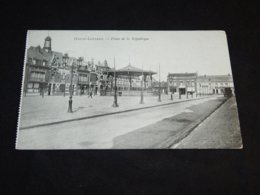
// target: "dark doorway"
[[49, 89], [182, 91]]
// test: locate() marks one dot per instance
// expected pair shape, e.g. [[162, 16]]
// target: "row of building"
[[200, 84], [52, 73]]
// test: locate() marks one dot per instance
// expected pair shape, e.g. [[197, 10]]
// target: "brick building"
[[182, 83]]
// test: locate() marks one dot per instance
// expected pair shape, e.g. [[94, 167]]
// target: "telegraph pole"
[[115, 92], [70, 98], [142, 95], [159, 98]]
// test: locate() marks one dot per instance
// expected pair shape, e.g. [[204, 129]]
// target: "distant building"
[[200, 84], [182, 82], [163, 86], [214, 84], [102, 85]]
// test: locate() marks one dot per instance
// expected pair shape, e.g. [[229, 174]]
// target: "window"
[[37, 76], [30, 60], [36, 85], [38, 62], [29, 85], [34, 62], [44, 63]]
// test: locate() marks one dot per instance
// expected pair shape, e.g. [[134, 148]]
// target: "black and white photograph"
[[127, 90]]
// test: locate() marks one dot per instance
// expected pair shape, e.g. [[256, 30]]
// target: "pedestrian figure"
[[90, 94], [42, 92]]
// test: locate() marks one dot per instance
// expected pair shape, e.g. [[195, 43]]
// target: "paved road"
[[38, 110], [98, 132], [220, 130]]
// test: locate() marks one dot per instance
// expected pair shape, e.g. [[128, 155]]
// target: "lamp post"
[[187, 95], [70, 89], [65, 60], [159, 98], [142, 95], [79, 64], [115, 92]]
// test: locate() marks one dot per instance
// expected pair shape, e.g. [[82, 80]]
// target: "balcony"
[[34, 79]]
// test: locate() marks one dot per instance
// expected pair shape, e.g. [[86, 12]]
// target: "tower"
[[47, 44]]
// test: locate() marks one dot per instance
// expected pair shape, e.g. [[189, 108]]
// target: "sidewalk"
[[170, 130], [50, 109], [221, 130]]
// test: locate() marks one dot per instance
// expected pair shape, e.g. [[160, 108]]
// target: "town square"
[[79, 102]]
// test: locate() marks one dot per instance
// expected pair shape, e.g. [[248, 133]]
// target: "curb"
[[105, 114], [171, 141]]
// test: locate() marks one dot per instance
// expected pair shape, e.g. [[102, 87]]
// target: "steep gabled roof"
[[38, 53], [56, 58], [52, 57]]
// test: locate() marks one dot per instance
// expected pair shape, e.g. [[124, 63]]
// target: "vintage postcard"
[[127, 90]]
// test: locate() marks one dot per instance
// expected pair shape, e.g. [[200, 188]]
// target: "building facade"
[[191, 83], [51, 73], [182, 83], [214, 84], [37, 70]]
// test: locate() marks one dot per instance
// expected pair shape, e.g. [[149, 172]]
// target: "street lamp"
[[142, 95], [65, 60], [159, 98], [70, 88], [79, 64], [115, 95], [187, 95]]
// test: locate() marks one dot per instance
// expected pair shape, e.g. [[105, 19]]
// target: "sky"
[[204, 52]]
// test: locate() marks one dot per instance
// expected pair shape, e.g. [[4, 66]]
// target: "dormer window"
[[30, 61]]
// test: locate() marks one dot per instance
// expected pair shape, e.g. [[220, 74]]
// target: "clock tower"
[[47, 44]]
